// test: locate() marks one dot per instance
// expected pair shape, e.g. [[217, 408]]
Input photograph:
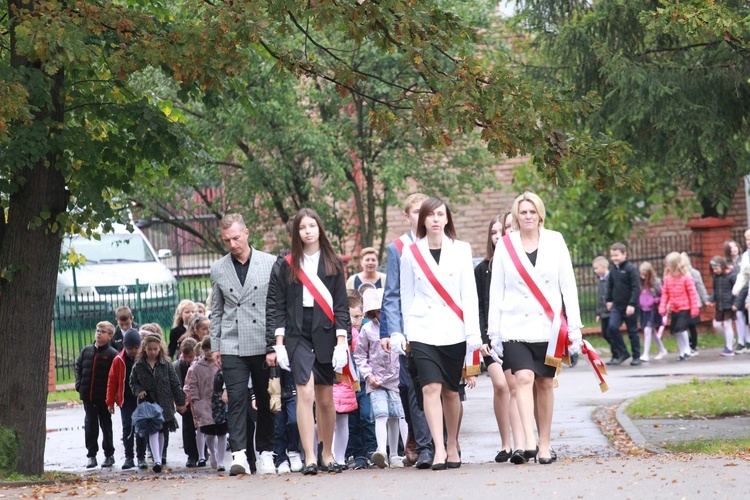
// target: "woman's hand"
[[224, 397], [373, 381], [141, 394], [471, 382], [181, 409]]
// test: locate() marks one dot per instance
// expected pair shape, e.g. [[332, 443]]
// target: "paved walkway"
[[589, 465]]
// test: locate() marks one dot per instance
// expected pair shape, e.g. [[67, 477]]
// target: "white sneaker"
[[295, 461], [265, 464], [284, 468], [661, 354], [644, 358], [379, 459], [397, 462], [239, 464], [214, 463]]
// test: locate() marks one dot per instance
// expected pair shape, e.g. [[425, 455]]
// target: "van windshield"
[[113, 248]]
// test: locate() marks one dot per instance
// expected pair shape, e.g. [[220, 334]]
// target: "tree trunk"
[[29, 259], [26, 307]]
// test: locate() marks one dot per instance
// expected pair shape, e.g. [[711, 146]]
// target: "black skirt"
[[303, 360], [527, 356], [680, 321], [439, 363], [215, 429]]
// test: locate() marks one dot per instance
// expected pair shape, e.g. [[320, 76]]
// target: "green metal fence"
[[75, 320]]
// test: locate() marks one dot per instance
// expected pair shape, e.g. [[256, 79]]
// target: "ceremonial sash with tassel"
[[471, 361], [557, 350], [324, 299]]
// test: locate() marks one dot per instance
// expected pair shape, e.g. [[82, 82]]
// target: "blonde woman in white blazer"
[[518, 326], [438, 337]]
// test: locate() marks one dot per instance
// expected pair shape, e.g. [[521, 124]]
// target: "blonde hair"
[[229, 219], [177, 321], [150, 339], [412, 200], [600, 259], [152, 328], [106, 326], [675, 265], [367, 250], [535, 200]]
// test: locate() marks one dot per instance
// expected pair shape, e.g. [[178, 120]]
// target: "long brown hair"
[[428, 206], [650, 279], [491, 247], [330, 260]]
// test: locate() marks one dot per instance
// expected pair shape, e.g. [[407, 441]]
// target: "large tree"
[[674, 80], [73, 128]]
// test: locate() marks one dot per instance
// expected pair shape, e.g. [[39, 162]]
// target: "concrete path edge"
[[632, 430]]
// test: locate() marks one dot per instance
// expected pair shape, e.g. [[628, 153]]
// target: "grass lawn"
[[730, 447], [69, 395], [698, 399]]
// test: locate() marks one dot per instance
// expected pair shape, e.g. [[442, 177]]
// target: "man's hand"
[[141, 394], [271, 358], [217, 359], [629, 311], [181, 409], [111, 409]]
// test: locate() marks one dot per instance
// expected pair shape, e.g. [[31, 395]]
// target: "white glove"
[[497, 350], [473, 342], [576, 342], [398, 343], [340, 358], [282, 358]]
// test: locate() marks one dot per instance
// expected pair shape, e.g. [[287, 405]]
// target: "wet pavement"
[[574, 431]]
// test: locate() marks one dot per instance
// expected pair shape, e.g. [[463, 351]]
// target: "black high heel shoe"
[[523, 456]]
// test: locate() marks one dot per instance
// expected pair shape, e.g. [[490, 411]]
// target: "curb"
[[632, 430]]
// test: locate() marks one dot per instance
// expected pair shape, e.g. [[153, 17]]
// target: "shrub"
[[8, 450]]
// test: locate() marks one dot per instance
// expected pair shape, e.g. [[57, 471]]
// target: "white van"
[[120, 269]]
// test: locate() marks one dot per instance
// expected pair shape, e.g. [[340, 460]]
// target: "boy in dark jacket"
[[118, 392], [623, 291], [92, 372], [601, 269]]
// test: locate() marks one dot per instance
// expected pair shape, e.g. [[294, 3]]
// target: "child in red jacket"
[[680, 297], [118, 391]]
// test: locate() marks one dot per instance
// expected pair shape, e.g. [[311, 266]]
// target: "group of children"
[[142, 371], [627, 294]]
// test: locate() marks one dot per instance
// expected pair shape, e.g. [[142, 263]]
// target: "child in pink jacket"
[[680, 298]]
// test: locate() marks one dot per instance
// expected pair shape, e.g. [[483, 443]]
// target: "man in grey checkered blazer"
[[239, 282]]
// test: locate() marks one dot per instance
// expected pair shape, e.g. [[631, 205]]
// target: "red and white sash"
[[401, 242], [471, 361], [322, 296], [557, 350]]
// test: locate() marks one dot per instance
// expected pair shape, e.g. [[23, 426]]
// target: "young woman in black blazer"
[[308, 342]]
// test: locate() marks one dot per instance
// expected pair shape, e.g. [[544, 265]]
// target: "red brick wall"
[[670, 226], [471, 219]]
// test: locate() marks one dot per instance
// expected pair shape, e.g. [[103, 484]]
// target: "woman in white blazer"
[[440, 323], [518, 326]]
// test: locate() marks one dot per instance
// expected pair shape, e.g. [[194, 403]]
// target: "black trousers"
[[238, 370], [97, 415], [189, 443]]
